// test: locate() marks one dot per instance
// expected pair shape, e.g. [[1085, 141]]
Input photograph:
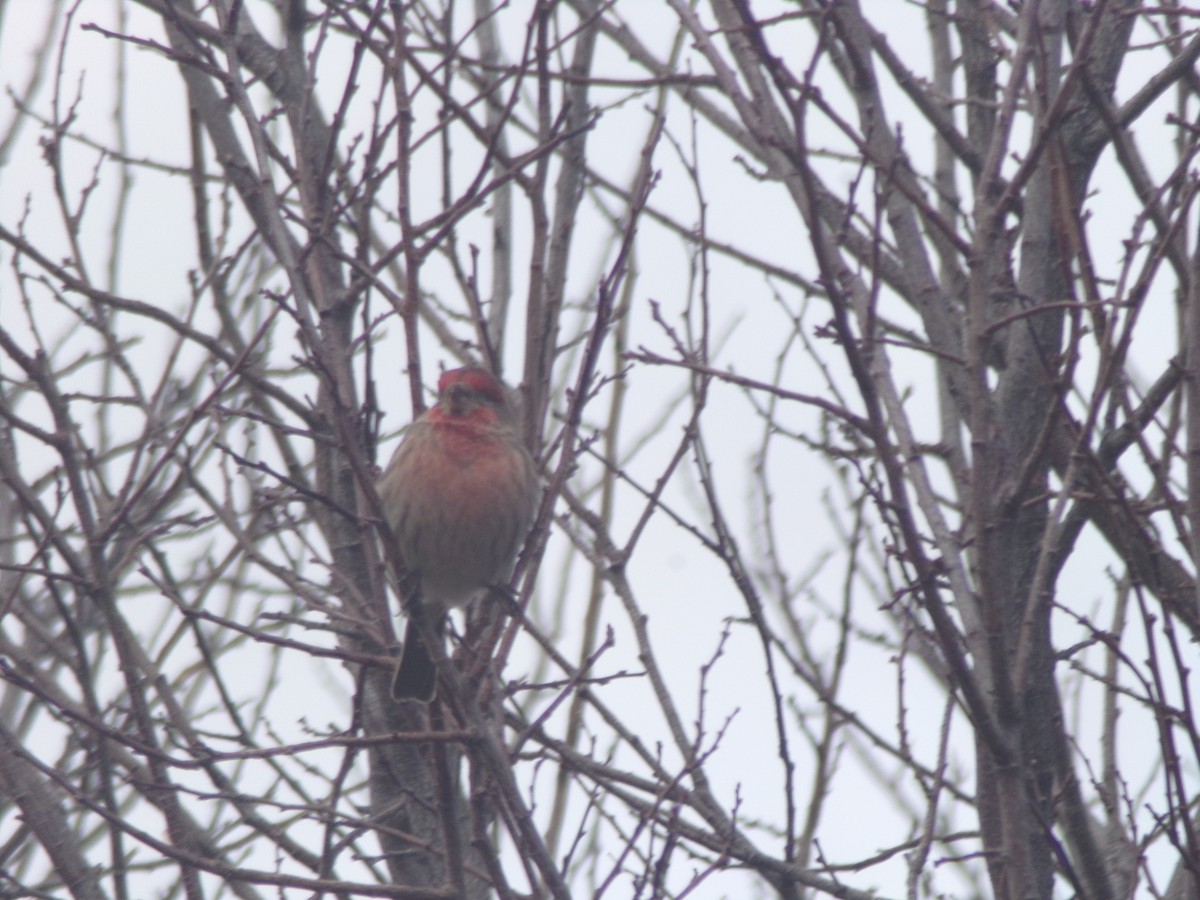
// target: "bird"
[[459, 496]]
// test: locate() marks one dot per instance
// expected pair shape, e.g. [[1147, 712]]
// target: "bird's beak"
[[456, 399]]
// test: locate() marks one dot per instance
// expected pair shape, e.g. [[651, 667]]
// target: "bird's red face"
[[471, 392]]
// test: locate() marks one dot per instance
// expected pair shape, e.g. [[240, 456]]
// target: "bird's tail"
[[416, 675]]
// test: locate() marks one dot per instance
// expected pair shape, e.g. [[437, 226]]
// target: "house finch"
[[459, 495]]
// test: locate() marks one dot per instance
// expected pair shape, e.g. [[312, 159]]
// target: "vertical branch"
[[541, 314], [1191, 322], [411, 308]]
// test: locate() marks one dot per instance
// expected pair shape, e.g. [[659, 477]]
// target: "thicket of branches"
[[855, 343]]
